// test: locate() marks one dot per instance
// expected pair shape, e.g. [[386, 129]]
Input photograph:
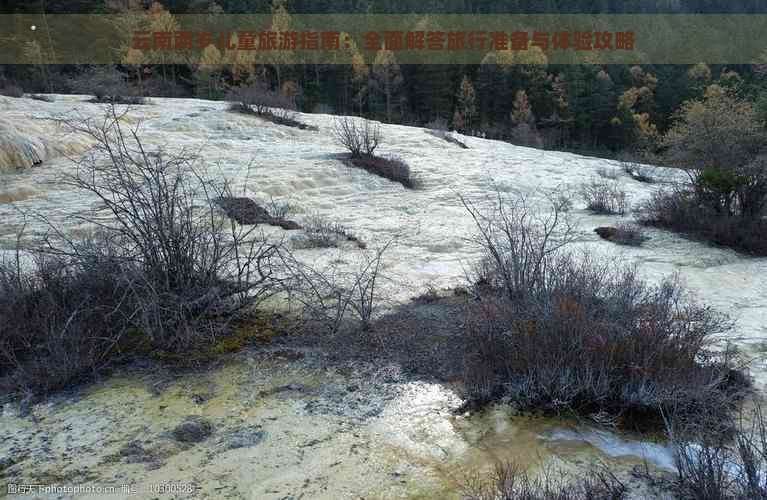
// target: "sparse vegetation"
[[359, 137], [721, 466], [438, 128], [566, 332], [62, 319], [680, 210], [328, 295], [164, 272], [279, 209], [605, 197], [107, 85], [361, 140], [259, 100], [608, 173], [10, 89], [320, 232], [638, 172], [719, 142], [512, 482], [430, 296]]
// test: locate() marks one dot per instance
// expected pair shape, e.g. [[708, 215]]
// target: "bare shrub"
[[269, 104], [9, 89], [437, 125], [195, 270], [679, 209], [61, 320], [512, 482], [608, 173], [629, 234], [520, 242], [638, 172], [107, 85], [279, 209], [329, 295], [605, 197], [560, 331], [429, 296], [320, 232], [721, 466], [360, 137], [257, 98]]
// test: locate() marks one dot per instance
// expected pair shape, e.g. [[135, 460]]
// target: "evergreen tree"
[[466, 109], [387, 80]]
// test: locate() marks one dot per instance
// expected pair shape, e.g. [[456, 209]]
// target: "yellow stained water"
[[317, 440]]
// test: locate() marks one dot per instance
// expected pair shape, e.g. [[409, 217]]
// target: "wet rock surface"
[[246, 437], [193, 430], [606, 233], [273, 427]]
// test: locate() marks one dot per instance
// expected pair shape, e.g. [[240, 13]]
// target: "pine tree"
[[466, 110], [281, 21], [387, 80], [208, 74]]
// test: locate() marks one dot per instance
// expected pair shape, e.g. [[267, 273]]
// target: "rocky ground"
[[302, 417]]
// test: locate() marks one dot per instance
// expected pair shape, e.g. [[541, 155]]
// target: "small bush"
[[565, 332], [638, 172], [258, 99], [279, 209], [329, 295], [729, 466], [163, 268], [607, 173], [447, 136], [430, 296], [605, 197], [680, 210], [361, 139], [393, 168], [511, 482], [11, 90], [437, 125], [63, 320], [107, 85], [322, 233]]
